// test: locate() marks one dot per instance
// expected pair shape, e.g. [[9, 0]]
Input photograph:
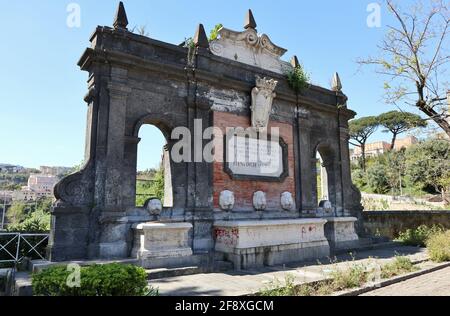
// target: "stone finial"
[[336, 84], [200, 38], [121, 20], [294, 62], [250, 22]]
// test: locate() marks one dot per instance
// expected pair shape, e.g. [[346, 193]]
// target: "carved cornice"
[[249, 48]]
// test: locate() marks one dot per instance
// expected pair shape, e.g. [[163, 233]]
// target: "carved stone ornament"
[[287, 201], [326, 206], [250, 48], [262, 100], [226, 200], [154, 207], [259, 201]]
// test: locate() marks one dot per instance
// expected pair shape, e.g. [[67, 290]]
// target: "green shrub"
[[353, 277], [298, 79], [419, 236], [96, 280], [438, 247], [400, 265]]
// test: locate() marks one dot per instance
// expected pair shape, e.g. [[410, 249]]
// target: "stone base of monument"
[[159, 245], [254, 244], [341, 234]]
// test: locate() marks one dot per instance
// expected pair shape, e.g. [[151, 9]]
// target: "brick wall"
[[244, 189]]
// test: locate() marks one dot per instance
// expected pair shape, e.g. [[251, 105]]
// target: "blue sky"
[[41, 88]]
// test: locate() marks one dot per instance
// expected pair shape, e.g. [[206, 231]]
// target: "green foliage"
[[298, 79], [35, 223], [423, 168], [398, 122], [357, 275], [16, 213], [353, 277], [361, 129], [189, 43], [150, 189], [399, 266], [97, 280], [215, 32], [438, 246], [419, 236], [428, 165], [29, 218], [377, 178]]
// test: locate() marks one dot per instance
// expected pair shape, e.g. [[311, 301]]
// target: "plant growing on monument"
[[360, 131], [215, 32], [398, 122], [298, 79], [414, 56]]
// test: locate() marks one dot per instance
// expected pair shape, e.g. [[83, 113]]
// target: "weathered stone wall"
[[391, 223]]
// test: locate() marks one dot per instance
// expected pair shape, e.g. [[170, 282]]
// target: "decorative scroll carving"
[[249, 48]]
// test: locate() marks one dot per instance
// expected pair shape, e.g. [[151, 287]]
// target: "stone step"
[[22, 284], [219, 266], [161, 273]]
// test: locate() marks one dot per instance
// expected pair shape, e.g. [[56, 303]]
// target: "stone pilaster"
[[308, 205]]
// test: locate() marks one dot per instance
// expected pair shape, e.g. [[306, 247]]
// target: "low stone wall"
[[391, 223]]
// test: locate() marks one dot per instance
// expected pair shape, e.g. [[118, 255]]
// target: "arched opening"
[[322, 180], [325, 175], [153, 172]]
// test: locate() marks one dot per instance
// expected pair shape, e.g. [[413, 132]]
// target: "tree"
[[414, 56], [428, 164], [377, 178], [395, 170], [398, 122], [16, 213], [360, 131]]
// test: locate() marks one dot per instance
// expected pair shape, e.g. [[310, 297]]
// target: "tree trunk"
[[439, 119], [394, 138], [363, 155]]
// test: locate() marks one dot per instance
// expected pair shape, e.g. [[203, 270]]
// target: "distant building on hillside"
[[372, 150], [39, 186], [55, 171], [405, 142], [10, 168], [381, 147]]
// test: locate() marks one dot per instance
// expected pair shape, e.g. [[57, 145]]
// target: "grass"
[[400, 265], [357, 275], [419, 236], [438, 246]]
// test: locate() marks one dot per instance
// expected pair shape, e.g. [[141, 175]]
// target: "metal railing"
[[16, 246]]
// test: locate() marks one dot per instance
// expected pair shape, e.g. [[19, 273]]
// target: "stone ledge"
[[162, 226], [253, 223]]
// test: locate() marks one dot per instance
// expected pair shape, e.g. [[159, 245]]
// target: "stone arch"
[[165, 122], [329, 172]]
